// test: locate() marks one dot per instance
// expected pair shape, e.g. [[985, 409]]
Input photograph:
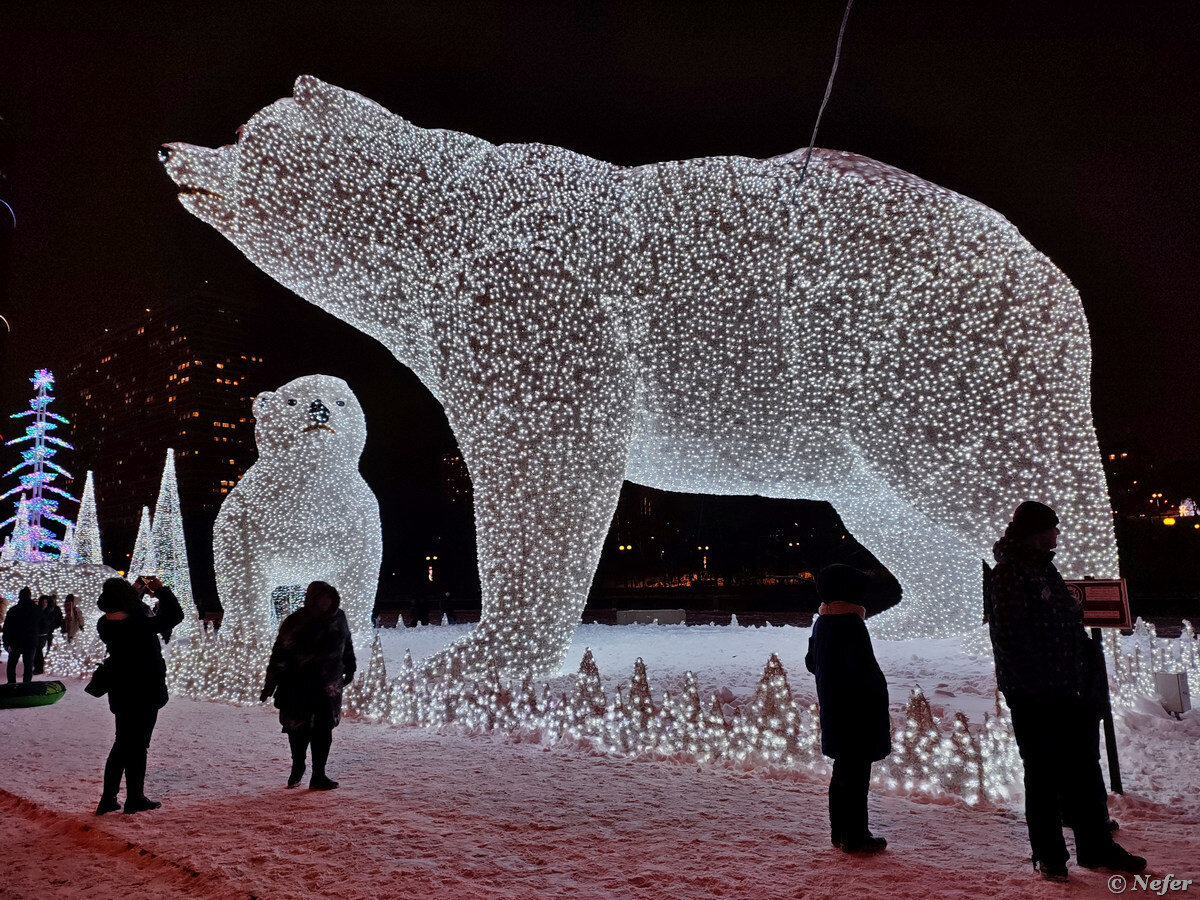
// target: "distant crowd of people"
[[29, 627], [1050, 672]]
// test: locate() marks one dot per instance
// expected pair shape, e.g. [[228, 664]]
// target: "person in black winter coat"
[[1047, 669], [856, 729], [312, 660], [22, 634], [137, 679]]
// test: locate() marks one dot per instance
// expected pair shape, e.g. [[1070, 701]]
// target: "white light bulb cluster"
[[302, 512], [87, 527], [928, 757], [1133, 672], [711, 325], [170, 550], [142, 560]]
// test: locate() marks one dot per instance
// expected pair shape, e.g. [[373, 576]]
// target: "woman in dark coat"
[[137, 682], [312, 660], [852, 693]]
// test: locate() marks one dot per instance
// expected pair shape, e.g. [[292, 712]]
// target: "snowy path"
[[421, 814]]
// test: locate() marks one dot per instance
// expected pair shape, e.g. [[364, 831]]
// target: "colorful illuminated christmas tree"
[[37, 543]]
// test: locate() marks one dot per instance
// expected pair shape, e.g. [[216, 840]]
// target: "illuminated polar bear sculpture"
[[302, 512], [712, 325]]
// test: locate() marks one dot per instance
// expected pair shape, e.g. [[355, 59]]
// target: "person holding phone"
[[130, 631]]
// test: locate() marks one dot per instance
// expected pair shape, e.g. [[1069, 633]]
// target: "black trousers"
[[128, 754], [321, 738], [28, 656], [1059, 746], [317, 729], [848, 799]]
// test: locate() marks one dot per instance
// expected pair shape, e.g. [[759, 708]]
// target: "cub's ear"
[[262, 404]]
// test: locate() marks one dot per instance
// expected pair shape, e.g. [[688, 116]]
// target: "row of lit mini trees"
[[929, 757]]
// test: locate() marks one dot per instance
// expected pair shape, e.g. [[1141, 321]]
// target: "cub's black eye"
[[341, 403], [291, 403]]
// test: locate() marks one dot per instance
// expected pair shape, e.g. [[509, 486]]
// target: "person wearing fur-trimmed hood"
[[311, 662]]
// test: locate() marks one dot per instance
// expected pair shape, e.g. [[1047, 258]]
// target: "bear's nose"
[[318, 412]]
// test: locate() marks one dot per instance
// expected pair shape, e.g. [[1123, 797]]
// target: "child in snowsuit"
[[853, 698]]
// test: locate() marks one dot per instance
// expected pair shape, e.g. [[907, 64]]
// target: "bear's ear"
[[262, 404], [317, 97]]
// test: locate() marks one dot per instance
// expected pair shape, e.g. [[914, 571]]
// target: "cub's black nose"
[[318, 412]]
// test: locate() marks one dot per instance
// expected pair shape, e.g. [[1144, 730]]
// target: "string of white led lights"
[[880, 342]]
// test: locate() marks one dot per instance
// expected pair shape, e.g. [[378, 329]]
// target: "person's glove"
[[265, 695], [347, 678]]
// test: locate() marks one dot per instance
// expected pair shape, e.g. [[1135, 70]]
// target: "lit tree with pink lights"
[[36, 543]]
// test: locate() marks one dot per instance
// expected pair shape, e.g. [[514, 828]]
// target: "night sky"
[[1076, 121]]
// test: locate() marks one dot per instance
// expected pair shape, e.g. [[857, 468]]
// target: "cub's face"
[[316, 417], [325, 191]]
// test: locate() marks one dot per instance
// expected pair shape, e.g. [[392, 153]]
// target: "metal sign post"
[[1105, 605]]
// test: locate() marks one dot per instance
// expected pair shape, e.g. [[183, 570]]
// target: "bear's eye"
[[341, 403], [291, 402]]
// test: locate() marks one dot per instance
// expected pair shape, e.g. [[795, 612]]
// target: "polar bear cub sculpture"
[[302, 512], [721, 325]]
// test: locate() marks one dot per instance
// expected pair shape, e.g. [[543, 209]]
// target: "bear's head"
[[337, 199], [316, 417]]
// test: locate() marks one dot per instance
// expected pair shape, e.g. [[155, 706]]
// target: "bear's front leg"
[[543, 506]]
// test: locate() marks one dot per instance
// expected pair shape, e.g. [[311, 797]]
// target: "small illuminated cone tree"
[[66, 547], [142, 561], [87, 526], [20, 548], [170, 550], [774, 715]]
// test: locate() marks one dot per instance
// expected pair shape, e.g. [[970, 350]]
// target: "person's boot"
[[107, 804], [140, 804], [299, 746], [1052, 871], [1114, 857], [135, 784], [865, 844], [321, 741]]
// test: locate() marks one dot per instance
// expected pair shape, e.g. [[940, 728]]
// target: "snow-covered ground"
[[422, 813]]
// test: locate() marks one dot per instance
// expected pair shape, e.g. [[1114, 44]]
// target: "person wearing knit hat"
[[853, 699], [1045, 669]]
